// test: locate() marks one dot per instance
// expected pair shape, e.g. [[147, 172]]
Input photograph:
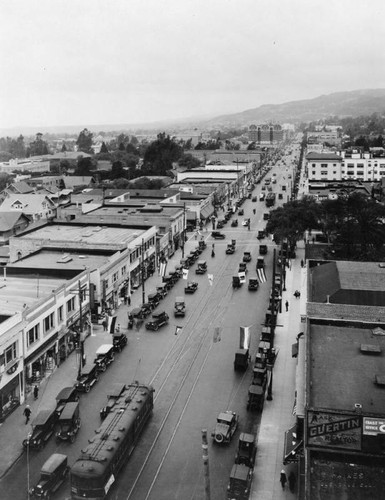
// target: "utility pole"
[[205, 456], [81, 339], [183, 228]]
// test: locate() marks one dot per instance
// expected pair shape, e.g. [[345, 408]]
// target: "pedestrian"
[[212, 253], [36, 392], [129, 299], [104, 323], [27, 413], [292, 480], [287, 305], [283, 479], [302, 263]]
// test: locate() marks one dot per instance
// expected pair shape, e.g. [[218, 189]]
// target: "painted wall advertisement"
[[373, 426], [334, 430]]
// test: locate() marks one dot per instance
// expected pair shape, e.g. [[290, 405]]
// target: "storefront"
[[41, 362], [9, 397]]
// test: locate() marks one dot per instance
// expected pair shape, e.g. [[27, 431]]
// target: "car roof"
[[246, 437], [42, 417], [69, 410], [88, 368], [157, 314], [240, 471], [179, 299], [104, 349], [53, 462], [225, 416], [65, 393]]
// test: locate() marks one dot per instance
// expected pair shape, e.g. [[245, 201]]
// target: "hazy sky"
[[70, 62]]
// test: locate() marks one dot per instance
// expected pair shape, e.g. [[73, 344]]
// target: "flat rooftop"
[[58, 259], [340, 374], [92, 235], [16, 293]]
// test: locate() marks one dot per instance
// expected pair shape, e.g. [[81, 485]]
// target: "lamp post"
[[81, 335], [183, 228], [28, 478], [142, 271]]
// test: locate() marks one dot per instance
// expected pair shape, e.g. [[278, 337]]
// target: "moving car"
[[242, 267], [246, 257], [230, 249], [262, 249], [237, 282], [191, 287], [261, 234], [253, 284], [234, 223], [241, 360], [266, 216], [201, 267], [217, 235], [254, 198], [241, 211], [158, 319], [52, 475], [69, 423], [43, 426], [104, 357], [227, 423], [179, 307], [220, 224]]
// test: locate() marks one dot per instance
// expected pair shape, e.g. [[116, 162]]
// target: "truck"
[[270, 199]]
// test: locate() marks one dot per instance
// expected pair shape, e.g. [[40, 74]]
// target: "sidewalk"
[[277, 415], [14, 429]]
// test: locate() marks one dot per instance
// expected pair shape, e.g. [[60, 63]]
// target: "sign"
[[373, 426], [334, 430]]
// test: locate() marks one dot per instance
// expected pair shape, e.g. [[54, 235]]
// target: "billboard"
[[334, 430]]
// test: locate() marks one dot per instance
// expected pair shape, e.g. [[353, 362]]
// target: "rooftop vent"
[[64, 259], [370, 349], [379, 379], [378, 331]]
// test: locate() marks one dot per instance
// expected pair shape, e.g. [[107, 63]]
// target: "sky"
[[82, 62]]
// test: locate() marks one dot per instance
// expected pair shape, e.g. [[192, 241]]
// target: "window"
[[71, 304], [10, 353], [115, 277], [33, 335], [49, 323], [124, 269], [324, 172], [60, 314]]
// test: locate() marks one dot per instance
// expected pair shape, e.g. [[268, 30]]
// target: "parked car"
[[227, 423], [217, 235], [220, 224], [236, 282], [52, 475], [43, 426], [241, 211], [247, 450], [146, 308], [66, 395], [241, 359], [112, 396], [202, 244], [104, 357], [246, 257], [254, 198], [240, 481], [88, 377], [191, 287], [234, 223], [158, 319], [266, 216], [262, 249], [154, 299], [68, 423], [119, 341], [162, 290]]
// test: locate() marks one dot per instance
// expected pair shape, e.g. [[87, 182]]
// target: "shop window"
[[60, 316], [49, 322], [10, 353], [71, 304], [33, 335]]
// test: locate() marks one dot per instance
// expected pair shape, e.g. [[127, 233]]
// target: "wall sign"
[[334, 430]]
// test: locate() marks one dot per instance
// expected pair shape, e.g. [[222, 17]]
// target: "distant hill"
[[353, 103]]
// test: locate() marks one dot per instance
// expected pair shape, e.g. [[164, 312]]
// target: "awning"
[[207, 211], [292, 446]]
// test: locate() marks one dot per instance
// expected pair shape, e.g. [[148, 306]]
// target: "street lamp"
[[183, 228], [142, 271], [28, 480]]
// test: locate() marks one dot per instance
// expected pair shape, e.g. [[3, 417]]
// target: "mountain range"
[[342, 104]]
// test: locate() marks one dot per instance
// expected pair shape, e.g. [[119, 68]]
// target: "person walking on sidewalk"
[[287, 305], [105, 323], [36, 392], [283, 479], [292, 481], [27, 413]]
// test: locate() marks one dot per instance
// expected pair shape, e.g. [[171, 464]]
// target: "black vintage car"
[[53, 473], [146, 310], [88, 377], [68, 423], [191, 287], [158, 319], [253, 284], [179, 307], [217, 235], [261, 234], [66, 395], [236, 282], [119, 340], [241, 212], [162, 290], [154, 299], [246, 257], [234, 223], [247, 450], [43, 426], [202, 244], [201, 267], [104, 357]]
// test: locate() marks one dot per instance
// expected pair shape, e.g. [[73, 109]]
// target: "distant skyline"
[[71, 62]]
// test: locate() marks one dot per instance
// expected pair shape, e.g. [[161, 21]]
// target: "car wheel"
[[219, 438]]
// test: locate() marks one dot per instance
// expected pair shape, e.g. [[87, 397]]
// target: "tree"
[[84, 141], [84, 166], [64, 148], [104, 148], [160, 155], [38, 147], [117, 170], [189, 161]]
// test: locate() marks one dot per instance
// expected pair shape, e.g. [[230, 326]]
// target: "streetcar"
[[96, 469]]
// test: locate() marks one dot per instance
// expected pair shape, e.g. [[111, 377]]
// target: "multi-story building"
[[266, 134]]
